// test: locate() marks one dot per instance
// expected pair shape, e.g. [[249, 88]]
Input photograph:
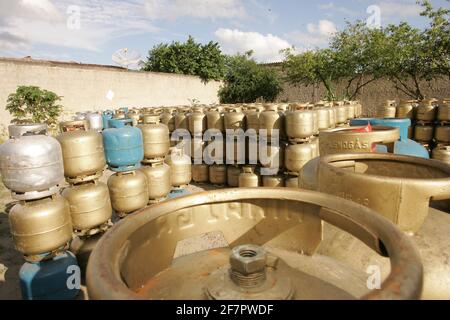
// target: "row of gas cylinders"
[[427, 110]]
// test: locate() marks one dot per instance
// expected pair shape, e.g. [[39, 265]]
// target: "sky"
[[91, 31]]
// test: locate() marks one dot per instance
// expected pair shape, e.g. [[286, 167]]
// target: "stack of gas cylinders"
[[32, 168], [88, 198]]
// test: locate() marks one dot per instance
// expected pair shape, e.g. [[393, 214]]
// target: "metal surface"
[[442, 154], [74, 125], [341, 115], [83, 155], [82, 247], [351, 139], [252, 119], [90, 207], [407, 184], [291, 181], [95, 121], [40, 226], [248, 178], [200, 173], [218, 174], [443, 113], [168, 119], [271, 119], [31, 166], [18, 130], [387, 110], [197, 121], [423, 133], [426, 111], [296, 156], [323, 116], [299, 124], [180, 168], [128, 192], [181, 120], [406, 109], [283, 219], [234, 119], [233, 173], [442, 134], [276, 181], [156, 139], [158, 181], [214, 119]]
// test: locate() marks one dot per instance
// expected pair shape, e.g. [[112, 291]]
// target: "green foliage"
[[205, 61], [247, 81], [32, 104]]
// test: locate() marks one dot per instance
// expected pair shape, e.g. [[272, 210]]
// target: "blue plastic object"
[[53, 279], [404, 146], [176, 193], [123, 145], [106, 116]]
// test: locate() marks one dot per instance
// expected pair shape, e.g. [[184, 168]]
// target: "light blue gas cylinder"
[[123, 145], [404, 146], [106, 116], [56, 279]]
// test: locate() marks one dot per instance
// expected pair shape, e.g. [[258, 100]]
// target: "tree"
[[205, 61], [32, 104], [247, 81], [312, 68]]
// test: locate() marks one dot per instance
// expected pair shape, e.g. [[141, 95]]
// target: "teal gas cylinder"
[[54, 279], [106, 116], [123, 145], [404, 146]]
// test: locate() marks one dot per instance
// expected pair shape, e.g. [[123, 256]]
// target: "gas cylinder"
[[387, 110], [442, 154], [276, 181], [95, 121], [426, 111], [218, 174], [197, 148], [315, 121], [135, 117], [249, 178], [272, 156], [106, 116], [47, 280], [40, 226], [82, 247], [442, 134], [200, 173], [296, 156], [270, 120], [234, 119], [444, 111], [423, 133], [315, 146], [237, 149], [350, 110], [31, 164], [180, 168], [181, 120], [168, 119], [90, 207], [119, 114], [332, 115], [252, 119], [408, 184], [18, 130], [406, 109], [233, 173], [158, 181], [123, 145], [128, 191], [404, 146], [197, 121], [291, 181], [323, 116], [74, 125], [83, 154], [299, 124], [156, 139], [214, 119], [341, 115]]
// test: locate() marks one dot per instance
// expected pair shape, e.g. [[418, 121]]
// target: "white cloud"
[[318, 34], [266, 48], [209, 9], [331, 7], [403, 9]]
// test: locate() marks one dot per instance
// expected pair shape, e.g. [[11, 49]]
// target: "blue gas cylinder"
[[106, 116], [55, 279], [404, 146], [176, 193], [123, 145]]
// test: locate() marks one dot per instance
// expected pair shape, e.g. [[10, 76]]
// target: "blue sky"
[[90, 31]]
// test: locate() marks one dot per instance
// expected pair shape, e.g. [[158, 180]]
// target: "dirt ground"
[[11, 260]]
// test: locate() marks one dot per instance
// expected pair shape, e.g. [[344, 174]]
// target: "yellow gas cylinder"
[[197, 121], [296, 156], [323, 116], [314, 143], [181, 120], [275, 181], [442, 154], [83, 155], [442, 134], [167, 118], [406, 109], [444, 111], [387, 110], [197, 147], [423, 133], [426, 111], [180, 168], [74, 125], [200, 173], [252, 119], [332, 114], [90, 207], [341, 115], [158, 181], [249, 178], [218, 174], [214, 119], [234, 119], [349, 110], [408, 184], [128, 192], [272, 156], [156, 139], [299, 124], [233, 173], [291, 181], [135, 116], [40, 226], [271, 120]]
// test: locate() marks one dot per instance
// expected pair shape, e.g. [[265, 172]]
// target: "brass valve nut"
[[248, 259]]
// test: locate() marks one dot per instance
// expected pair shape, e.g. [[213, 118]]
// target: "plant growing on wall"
[[205, 61], [247, 81], [33, 104]]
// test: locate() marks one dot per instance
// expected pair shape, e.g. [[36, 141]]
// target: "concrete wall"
[[84, 87]]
